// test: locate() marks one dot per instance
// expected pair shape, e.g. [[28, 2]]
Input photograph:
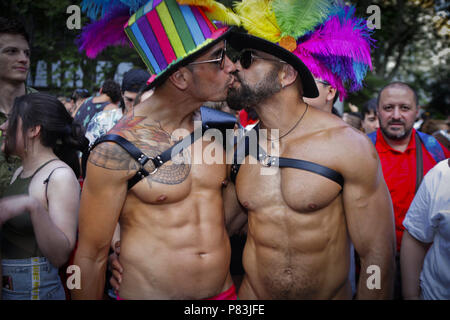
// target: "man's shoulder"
[[145, 135], [351, 148], [111, 156], [343, 135], [333, 143], [138, 128], [432, 145]]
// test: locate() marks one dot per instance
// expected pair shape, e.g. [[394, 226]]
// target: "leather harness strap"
[[211, 119], [281, 162], [141, 158]]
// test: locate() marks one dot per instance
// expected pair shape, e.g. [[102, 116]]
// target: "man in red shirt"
[[397, 142]]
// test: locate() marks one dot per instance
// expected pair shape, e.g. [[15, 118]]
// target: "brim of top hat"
[[240, 41], [162, 76]]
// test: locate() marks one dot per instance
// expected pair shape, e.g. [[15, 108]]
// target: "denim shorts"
[[31, 279]]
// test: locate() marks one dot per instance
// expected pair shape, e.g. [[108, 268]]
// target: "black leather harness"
[[211, 119], [243, 150]]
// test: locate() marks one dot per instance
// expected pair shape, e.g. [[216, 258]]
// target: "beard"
[[397, 134], [248, 97]]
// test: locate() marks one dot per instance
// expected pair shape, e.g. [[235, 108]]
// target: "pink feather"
[[108, 31], [338, 50], [320, 71], [334, 38]]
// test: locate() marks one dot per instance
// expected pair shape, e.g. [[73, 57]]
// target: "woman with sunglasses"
[[39, 211]]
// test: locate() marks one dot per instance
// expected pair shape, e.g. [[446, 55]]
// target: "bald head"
[[401, 85], [397, 110]]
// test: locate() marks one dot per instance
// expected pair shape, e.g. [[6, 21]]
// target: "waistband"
[[27, 262], [229, 294]]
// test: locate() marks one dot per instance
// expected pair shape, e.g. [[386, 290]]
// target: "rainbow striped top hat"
[[168, 35]]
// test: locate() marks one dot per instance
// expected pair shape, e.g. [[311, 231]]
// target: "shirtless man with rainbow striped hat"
[[174, 244]]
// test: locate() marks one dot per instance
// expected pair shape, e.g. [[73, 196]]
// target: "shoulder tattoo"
[[152, 141], [111, 156]]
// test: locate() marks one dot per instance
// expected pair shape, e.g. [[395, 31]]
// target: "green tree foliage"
[[412, 46], [53, 43]]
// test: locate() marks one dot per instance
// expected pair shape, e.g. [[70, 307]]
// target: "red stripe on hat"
[[161, 36], [211, 26]]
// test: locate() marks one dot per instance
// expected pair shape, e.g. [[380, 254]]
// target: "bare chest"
[[300, 190], [188, 173]]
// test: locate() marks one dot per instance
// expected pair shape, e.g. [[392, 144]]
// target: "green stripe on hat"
[[180, 25], [139, 50], [171, 31], [140, 13]]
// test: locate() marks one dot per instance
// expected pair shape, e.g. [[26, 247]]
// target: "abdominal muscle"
[[307, 259], [175, 251]]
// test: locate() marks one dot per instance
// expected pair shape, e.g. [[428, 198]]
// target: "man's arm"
[[235, 215], [102, 198], [412, 255], [419, 235], [370, 218]]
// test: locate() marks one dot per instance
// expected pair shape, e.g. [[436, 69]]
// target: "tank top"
[[18, 238]]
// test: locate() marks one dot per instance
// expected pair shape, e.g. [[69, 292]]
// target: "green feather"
[[296, 17]]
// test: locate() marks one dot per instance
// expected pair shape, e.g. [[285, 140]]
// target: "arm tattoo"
[[111, 156]]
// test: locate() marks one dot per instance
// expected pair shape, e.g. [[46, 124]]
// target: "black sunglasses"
[[246, 59]]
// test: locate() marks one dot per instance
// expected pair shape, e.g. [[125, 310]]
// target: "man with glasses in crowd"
[[174, 244], [327, 96]]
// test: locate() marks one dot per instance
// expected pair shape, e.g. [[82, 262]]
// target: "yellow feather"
[[203, 3], [221, 13], [258, 19], [215, 11]]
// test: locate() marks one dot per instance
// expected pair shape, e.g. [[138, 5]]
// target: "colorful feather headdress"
[[113, 15], [333, 43]]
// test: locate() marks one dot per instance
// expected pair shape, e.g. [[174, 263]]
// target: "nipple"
[[161, 198]]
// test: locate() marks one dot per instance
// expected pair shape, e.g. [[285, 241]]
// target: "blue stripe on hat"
[[148, 6], [139, 37], [192, 23]]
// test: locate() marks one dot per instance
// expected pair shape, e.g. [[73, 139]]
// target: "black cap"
[[134, 80]]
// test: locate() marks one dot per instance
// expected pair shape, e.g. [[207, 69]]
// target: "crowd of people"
[[112, 183]]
